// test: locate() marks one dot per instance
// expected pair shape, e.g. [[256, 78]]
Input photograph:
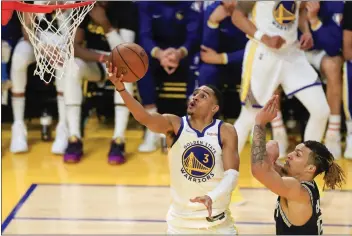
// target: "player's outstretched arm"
[[155, 122], [261, 165]]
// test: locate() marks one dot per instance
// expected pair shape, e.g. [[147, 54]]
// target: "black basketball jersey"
[[314, 225], [121, 14]]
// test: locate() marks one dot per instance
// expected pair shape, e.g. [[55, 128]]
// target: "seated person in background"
[[326, 57], [169, 32], [107, 25], [22, 57], [223, 44], [347, 78]]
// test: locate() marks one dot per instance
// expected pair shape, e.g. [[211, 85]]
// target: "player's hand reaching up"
[[206, 200], [114, 77], [268, 112]]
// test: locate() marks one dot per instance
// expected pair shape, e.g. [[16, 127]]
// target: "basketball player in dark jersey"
[[107, 25], [298, 204]]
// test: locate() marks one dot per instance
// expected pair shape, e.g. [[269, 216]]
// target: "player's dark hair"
[[218, 96], [322, 158]]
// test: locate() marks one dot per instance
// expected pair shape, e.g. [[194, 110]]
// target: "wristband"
[[120, 90], [258, 35]]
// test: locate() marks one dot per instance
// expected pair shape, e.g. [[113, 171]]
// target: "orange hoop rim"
[[34, 8], [7, 8]]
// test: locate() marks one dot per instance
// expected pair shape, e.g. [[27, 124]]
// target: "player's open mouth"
[[191, 104]]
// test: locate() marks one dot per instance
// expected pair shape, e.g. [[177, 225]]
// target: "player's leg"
[[117, 147], [146, 88], [260, 74], [61, 138], [23, 56], [302, 81], [330, 69], [347, 104], [73, 95]]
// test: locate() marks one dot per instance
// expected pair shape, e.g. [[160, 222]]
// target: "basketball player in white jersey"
[[203, 160], [275, 57], [23, 56]]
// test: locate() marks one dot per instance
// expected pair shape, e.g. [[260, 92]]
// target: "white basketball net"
[[52, 38]]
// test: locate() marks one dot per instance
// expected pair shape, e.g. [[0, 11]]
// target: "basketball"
[[131, 60]]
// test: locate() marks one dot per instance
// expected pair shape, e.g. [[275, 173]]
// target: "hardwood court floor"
[[41, 194]]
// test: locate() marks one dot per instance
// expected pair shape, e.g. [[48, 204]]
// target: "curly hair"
[[322, 158]]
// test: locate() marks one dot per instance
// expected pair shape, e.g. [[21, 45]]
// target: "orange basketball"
[[131, 60]]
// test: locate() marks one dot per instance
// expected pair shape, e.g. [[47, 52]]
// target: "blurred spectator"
[[23, 56], [326, 57], [169, 32], [223, 44], [107, 25], [347, 87]]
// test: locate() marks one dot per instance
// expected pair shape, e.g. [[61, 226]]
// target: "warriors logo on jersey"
[[284, 14], [198, 161]]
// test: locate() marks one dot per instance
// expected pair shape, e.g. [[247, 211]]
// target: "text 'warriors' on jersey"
[[196, 168]]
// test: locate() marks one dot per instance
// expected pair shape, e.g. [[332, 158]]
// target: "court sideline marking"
[[31, 189]]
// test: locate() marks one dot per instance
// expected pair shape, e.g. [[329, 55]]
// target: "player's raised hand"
[[268, 112], [272, 150], [114, 77], [206, 200]]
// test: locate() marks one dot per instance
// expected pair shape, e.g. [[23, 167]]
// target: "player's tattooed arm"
[[258, 152]]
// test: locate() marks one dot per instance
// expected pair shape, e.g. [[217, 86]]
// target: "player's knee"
[[320, 111], [23, 55]]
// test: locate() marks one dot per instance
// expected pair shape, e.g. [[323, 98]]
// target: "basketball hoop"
[[51, 36]]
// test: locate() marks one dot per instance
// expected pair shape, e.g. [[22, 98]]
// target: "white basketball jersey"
[[277, 18], [196, 168]]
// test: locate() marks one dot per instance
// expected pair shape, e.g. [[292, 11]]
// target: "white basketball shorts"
[[265, 69]]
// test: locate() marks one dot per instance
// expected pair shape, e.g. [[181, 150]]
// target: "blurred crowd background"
[[213, 49]]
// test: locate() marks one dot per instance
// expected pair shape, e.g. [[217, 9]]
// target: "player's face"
[[202, 101], [298, 161]]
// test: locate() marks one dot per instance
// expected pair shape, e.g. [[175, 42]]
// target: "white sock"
[[73, 113], [61, 108], [121, 120], [18, 104], [334, 125], [278, 127], [349, 127]]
